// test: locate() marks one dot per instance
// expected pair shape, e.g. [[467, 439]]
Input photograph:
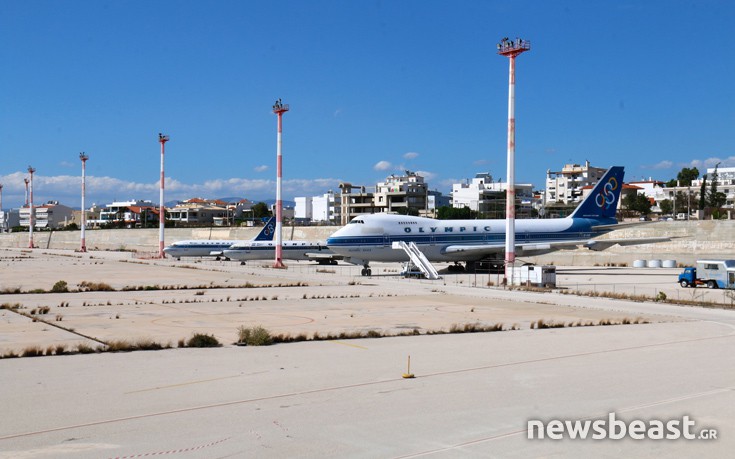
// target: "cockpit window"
[[357, 221]]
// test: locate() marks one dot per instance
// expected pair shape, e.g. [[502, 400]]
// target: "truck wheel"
[[711, 284], [684, 283]]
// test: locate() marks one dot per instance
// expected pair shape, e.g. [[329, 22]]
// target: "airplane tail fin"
[[266, 234], [602, 202]]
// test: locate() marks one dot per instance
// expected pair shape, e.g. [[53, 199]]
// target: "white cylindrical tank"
[[654, 263], [639, 264], [669, 264]]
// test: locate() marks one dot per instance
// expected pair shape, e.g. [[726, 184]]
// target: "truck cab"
[[688, 277]]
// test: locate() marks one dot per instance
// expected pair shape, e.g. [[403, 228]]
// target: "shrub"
[[254, 336], [60, 287], [202, 340], [85, 286]]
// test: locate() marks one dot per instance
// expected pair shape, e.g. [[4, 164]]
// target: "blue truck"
[[712, 273]]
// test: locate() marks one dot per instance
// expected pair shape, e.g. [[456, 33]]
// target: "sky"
[[374, 88]]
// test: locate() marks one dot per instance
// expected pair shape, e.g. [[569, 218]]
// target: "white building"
[[119, 211], [565, 186], [324, 209], [50, 215], [303, 208], [401, 192], [725, 183], [482, 194], [9, 219]]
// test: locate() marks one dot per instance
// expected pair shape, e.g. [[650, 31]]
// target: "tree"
[[703, 193], [407, 211], [686, 175], [667, 207], [455, 213], [260, 210], [638, 203], [714, 200]]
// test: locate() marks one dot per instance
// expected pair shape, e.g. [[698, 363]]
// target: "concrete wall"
[[692, 240]]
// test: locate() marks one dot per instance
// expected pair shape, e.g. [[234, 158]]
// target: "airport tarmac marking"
[[349, 344], [174, 451], [189, 383]]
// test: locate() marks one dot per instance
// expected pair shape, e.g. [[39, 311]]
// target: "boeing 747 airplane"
[[209, 248], [370, 237], [291, 250]]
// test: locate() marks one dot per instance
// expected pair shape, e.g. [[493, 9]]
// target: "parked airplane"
[[210, 248], [369, 237], [291, 250]]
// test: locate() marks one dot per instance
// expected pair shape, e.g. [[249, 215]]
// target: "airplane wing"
[[323, 256], [602, 244], [544, 247]]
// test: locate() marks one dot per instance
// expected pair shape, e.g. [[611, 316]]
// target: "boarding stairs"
[[417, 258]]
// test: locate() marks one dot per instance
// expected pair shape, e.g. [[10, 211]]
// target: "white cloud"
[[102, 190], [480, 162], [261, 168], [411, 155], [712, 162], [426, 175], [383, 166], [665, 164]]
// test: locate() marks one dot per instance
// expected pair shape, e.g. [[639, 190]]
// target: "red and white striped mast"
[[511, 49], [31, 220], [162, 211], [279, 109], [84, 158], [25, 180]]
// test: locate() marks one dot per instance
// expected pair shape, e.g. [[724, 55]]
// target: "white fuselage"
[[370, 237], [264, 250], [198, 248]]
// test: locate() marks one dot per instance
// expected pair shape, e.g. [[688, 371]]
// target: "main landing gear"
[[366, 271]]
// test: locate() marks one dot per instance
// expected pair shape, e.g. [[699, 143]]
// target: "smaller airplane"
[[291, 250], [215, 248]]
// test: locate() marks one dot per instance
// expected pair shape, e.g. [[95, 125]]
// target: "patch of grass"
[[32, 351], [84, 348], [140, 344]]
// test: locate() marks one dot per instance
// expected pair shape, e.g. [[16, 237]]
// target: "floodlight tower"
[[31, 212], [83, 221], [161, 218], [279, 109], [511, 49]]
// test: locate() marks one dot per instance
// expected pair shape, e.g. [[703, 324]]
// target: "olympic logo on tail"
[[269, 229], [606, 197]]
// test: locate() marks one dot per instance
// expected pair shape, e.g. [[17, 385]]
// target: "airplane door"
[[731, 280]]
